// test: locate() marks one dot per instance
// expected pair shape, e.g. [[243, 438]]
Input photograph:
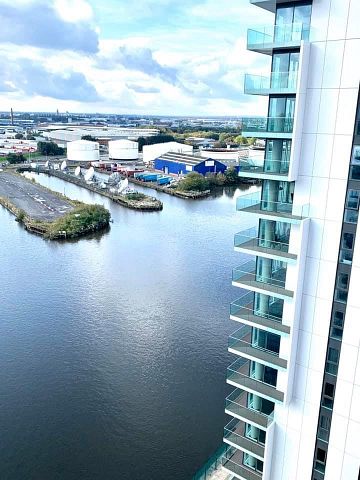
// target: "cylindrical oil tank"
[[83, 150], [125, 150]]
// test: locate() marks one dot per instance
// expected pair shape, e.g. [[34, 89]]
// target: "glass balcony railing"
[[241, 342], [254, 204], [259, 165], [240, 375], [248, 272], [237, 404], [244, 309], [235, 433], [267, 125], [249, 239], [277, 82], [233, 461], [267, 38]]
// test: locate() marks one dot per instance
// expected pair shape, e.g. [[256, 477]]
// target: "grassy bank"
[[83, 219]]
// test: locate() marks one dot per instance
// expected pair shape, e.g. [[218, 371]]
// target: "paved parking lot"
[[37, 202]]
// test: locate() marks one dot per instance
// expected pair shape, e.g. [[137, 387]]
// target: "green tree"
[[90, 138], [231, 176], [240, 140], [49, 148], [16, 158], [193, 182], [19, 136]]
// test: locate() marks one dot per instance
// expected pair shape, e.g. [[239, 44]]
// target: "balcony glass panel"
[[250, 238], [238, 463], [251, 272], [244, 368], [279, 35], [264, 125], [251, 440], [250, 407], [261, 340], [282, 82], [261, 310], [253, 202]]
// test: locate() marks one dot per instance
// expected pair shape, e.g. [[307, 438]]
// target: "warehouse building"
[[181, 164]]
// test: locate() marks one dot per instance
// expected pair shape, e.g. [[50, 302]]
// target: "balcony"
[[252, 203], [266, 39], [244, 310], [276, 83], [246, 276], [235, 435], [240, 343], [237, 406], [270, 5], [268, 127], [233, 462], [264, 168], [248, 242], [238, 376]]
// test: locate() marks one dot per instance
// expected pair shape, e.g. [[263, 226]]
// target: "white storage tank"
[[83, 151], [123, 150]]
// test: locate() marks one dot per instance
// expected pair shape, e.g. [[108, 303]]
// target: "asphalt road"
[[37, 202]]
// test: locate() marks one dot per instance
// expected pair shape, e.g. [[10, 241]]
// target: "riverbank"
[[145, 203], [48, 213]]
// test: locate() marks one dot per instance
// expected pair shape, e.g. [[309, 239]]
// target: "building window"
[[324, 428], [328, 396], [332, 361], [342, 285], [337, 325], [320, 460], [352, 200], [347, 244]]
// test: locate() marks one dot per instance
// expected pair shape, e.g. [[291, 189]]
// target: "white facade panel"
[[333, 64]]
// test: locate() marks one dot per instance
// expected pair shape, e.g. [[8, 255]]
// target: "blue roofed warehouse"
[[180, 164]]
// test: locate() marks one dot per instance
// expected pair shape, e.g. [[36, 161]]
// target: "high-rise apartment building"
[[295, 409]]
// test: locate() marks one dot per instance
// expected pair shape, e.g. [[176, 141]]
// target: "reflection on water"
[[113, 348]]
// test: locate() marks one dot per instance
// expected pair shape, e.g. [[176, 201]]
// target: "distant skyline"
[[155, 57]]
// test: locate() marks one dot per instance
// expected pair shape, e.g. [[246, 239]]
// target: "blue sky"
[[145, 57]]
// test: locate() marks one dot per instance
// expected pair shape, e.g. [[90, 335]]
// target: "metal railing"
[[282, 82]]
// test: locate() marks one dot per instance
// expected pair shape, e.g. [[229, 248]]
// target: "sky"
[[155, 57]]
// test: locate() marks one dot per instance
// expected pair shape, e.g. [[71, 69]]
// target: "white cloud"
[[74, 10]]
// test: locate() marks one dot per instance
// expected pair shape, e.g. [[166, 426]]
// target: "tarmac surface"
[[37, 202]]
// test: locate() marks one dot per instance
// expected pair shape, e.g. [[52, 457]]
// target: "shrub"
[[193, 182], [20, 217], [135, 196], [88, 217]]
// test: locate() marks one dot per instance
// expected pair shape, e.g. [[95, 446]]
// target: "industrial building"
[[150, 152], [181, 164], [83, 151], [295, 405], [61, 136], [123, 150]]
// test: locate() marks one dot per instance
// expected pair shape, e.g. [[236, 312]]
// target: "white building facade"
[[295, 409]]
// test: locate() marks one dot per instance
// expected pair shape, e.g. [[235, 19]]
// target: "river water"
[[113, 348]]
